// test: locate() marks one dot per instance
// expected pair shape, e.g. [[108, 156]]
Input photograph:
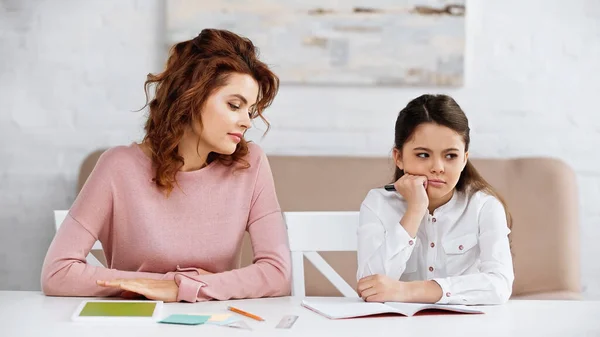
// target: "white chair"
[[312, 232], [59, 217]]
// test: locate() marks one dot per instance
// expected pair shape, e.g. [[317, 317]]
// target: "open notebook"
[[337, 308]]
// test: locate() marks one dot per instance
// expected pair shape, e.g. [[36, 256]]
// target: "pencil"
[[247, 314]]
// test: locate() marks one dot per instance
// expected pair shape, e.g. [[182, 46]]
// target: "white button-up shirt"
[[463, 246]]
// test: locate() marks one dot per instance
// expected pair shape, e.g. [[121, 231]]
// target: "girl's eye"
[[233, 106], [422, 155], [451, 156]]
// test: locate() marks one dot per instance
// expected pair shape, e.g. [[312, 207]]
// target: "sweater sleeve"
[[65, 271]]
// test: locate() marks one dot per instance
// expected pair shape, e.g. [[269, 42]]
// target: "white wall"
[[71, 73]]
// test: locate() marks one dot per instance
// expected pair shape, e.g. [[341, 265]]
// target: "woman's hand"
[[160, 290]]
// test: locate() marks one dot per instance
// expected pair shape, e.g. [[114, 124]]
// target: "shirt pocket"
[[460, 253]]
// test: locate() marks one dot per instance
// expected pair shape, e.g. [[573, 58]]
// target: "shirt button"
[[448, 294], [461, 247], [410, 242], [432, 245], [433, 220], [430, 268]]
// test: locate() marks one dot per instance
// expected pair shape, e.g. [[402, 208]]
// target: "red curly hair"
[[195, 69]]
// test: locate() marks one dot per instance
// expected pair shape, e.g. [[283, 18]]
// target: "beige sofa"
[[541, 194]]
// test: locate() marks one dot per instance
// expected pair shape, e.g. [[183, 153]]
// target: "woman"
[[171, 211]]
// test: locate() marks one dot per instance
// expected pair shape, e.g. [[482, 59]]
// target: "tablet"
[[118, 310]]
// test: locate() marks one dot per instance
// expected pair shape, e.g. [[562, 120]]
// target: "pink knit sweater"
[[147, 235]]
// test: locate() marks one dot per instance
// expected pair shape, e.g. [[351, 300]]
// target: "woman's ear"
[[398, 158], [466, 159]]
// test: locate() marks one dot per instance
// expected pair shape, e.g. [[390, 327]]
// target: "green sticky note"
[[118, 309], [185, 319]]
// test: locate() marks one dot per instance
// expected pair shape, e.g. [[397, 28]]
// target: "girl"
[[440, 234], [171, 211]]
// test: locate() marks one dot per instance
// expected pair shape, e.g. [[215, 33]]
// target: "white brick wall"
[[69, 84]]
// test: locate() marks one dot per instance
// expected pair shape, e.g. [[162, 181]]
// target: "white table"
[[24, 313]]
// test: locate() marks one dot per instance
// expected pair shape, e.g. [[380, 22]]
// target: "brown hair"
[[443, 110], [194, 70]]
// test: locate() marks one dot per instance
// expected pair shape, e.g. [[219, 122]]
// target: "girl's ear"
[[398, 158], [465, 160]]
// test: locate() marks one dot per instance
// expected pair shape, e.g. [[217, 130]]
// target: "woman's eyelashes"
[[233, 107]]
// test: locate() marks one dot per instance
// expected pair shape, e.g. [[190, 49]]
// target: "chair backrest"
[[312, 232], [59, 217], [545, 233], [545, 236]]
